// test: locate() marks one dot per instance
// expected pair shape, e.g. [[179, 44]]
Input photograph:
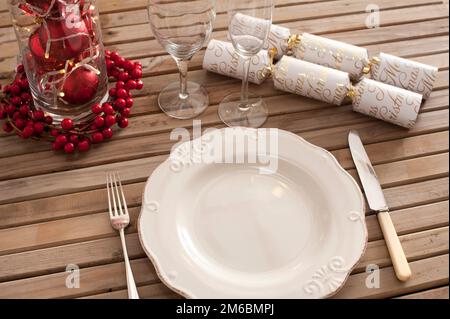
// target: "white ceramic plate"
[[234, 231]]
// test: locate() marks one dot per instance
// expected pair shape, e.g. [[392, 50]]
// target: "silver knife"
[[377, 203]]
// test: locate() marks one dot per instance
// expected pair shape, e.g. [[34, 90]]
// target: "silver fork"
[[120, 219]]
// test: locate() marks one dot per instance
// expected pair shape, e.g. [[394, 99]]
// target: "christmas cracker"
[[389, 69], [376, 99]]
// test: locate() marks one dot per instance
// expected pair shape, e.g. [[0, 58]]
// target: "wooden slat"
[[399, 149], [417, 194], [37, 163], [156, 291], [60, 232], [412, 220], [336, 137], [66, 206], [140, 30], [84, 254], [428, 273], [130, 15], [417, 246], [80, 180], [437, 293], [413, 170], [129, 7], [138, 170], [93, 280], [366, 37], [368, 132]]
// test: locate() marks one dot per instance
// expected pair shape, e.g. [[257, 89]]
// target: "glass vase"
[[62, 51]]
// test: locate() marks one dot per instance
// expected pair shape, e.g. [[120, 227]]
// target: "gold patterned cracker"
[[403, 73], [386, 102], [311, 80], [332, 54], [220, 57]]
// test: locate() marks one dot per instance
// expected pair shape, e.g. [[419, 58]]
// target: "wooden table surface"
[[53, 207]]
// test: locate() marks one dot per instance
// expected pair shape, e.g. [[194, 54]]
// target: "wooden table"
[[53, 207]]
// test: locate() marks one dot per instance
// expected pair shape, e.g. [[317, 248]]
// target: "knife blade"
[[377, 202], [367, 175]]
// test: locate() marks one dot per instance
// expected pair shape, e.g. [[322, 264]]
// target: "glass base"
[[233, 114], [84, 114], [193, 105]]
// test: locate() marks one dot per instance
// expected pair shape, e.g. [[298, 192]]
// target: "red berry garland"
[[19, 115]]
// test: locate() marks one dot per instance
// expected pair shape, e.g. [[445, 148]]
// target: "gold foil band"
[[292, 42], [351, 92], [270, 69], [372, 61]]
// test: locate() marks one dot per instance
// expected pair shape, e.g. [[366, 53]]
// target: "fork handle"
[[132, 290]]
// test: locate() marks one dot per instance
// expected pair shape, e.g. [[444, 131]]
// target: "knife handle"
[[399, 261]]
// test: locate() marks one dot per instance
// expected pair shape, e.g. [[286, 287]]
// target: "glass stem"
[[183, 66], [244, 105]]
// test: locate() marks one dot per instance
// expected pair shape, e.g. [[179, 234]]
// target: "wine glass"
[[182, 28], [249, 26]]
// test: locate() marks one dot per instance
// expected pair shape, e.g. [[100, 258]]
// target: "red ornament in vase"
[[40, 7], [49, 63], [80, 86], [54, 8], [54, 43]]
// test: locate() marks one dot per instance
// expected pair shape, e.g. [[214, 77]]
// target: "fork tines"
[[116, 198]]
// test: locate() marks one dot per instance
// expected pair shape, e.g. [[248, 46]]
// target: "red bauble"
[[65, 42], [46, 7], [39, 6], [80, 86], [38, 55]]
